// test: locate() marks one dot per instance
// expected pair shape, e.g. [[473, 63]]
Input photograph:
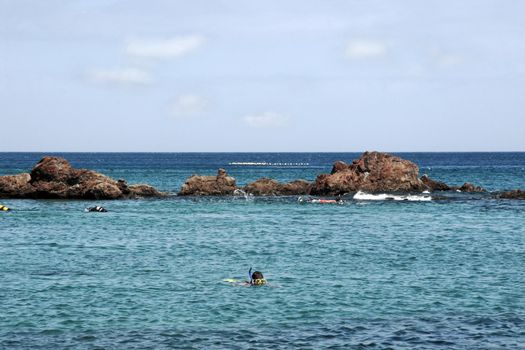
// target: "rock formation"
[[468, 187], [433, 185], [219, 185], [54, 177], [515, 194], [270, 187], [372, 172]]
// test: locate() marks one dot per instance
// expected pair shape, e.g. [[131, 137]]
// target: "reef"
[[514, 194], [54, 177], [270, 187], [219, 185], [373, 172]]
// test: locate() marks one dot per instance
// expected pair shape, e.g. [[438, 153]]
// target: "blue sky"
[[239, 76]]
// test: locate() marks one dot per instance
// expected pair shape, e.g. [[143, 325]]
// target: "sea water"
[[441, 274]]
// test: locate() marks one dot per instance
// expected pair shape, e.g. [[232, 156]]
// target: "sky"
[[262, 76]]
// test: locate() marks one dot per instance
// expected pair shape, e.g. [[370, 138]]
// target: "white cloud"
[[446, 59], [265, 120], [120, 76], [188, 106], [164, 48], [364, 48]]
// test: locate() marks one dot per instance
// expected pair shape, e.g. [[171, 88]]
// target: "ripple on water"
[[452, 332]]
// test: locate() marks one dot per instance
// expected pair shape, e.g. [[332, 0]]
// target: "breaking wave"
[[384, 196]]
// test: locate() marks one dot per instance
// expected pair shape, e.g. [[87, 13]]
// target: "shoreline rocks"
[[55, 178], [373, 172], [270, 187], [514, 194], [198, 185]]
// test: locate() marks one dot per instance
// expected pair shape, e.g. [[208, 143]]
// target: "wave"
[[384, 196]]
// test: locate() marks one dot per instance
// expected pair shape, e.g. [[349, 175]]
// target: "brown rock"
[[372, 172], [471, 188], [15, 186], [339, 166], [54, 177], [433, 185], [142, 190], [296, 188], [51, 169], [102, 190], [219, 185], [264, 187], [515, 194], [270, 187]]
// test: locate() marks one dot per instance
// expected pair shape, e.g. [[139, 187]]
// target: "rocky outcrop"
[[470, 188], [54, 177], [263, 187], [515, 194], [297, 187], [15, 186], [219, 185], [270, 187], [433, 185], [372, 172]]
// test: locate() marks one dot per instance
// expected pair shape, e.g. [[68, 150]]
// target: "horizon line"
[[246, 152]]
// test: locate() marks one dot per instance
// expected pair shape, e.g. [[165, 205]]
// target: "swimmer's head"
[[257, 279]]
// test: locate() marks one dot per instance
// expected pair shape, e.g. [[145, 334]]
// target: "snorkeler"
[[337, 200], [97, 209], [256, 279], [4, 208]]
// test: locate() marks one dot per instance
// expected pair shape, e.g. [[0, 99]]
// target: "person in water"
[[4, 208], [97, 209], [256, 279]]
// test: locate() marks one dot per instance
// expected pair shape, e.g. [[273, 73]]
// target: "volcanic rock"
[[54, 177], [515, 194], [264, 187], [372, 172], [296, 187], [15, 186], [198, 185], [470, 188], [433, 185], [270, 187]]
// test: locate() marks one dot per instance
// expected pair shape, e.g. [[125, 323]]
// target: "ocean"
[[149, 274]]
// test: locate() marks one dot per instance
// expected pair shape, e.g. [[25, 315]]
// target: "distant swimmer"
[[256, 279], [338, 200], [4, 208], [97, 209]]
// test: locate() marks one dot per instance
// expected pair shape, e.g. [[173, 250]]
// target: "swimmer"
[[256, 279], [4, 208], [97, 209], [338, 200]]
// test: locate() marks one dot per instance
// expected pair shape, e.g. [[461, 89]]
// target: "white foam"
[[240, 193], [267, 164], [384, 196]]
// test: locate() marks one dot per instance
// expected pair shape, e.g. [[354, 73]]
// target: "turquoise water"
[[445, 274]]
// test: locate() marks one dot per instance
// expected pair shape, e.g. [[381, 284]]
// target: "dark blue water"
[[445, 274]]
